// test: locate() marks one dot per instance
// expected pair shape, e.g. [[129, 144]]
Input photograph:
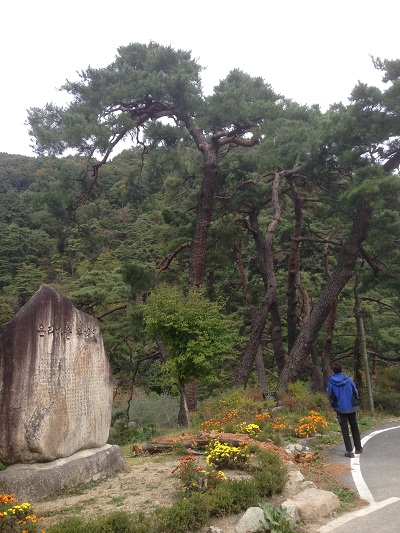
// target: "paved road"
[[375, 475]]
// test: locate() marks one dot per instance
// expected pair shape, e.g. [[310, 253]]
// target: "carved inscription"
[[67, 331]]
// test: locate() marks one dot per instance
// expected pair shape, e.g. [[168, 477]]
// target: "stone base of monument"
[[33, 482]]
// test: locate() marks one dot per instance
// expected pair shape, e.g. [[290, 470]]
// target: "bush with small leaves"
[[232, 497], [188, 514], [270, 474]]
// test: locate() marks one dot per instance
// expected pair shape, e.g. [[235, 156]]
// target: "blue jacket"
[[342, 394]]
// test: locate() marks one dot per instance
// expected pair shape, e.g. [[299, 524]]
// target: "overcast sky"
[[311, 51]]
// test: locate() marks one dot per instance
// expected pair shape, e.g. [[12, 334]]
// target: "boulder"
[[313, 503], [251, 521], [56, 386]]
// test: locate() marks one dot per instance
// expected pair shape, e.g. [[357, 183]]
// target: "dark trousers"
[[344, 421]]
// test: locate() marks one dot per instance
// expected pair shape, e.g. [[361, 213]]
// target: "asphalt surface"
[[375, 475]]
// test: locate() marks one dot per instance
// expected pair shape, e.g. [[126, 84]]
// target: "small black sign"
[[270, 396]]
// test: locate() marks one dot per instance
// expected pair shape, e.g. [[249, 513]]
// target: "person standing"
[[343, 398]]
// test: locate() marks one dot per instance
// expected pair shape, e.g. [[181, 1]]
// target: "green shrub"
[[270, 475], [268, 433], [118, 522], [301, 398], [225, 403], [142, 523], [121, 433], [390, 379], [159, 410], [232, 497], [72, 524], [186, 515], [387, 400]]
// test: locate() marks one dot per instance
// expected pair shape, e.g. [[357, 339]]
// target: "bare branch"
[[164, 264], [245, 223], [375, 267], [367, 299], [239, 141], [322, 241], [118, 308]]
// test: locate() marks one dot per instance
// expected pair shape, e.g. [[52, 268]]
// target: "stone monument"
[[56, 386]]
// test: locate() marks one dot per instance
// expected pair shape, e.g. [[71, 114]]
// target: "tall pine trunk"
[[199, 244]]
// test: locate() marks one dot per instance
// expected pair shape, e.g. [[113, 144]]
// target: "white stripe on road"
[[362, 490], [356, 514], [359, 482]]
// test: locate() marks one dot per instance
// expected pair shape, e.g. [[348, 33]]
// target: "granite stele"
[[56, 385]]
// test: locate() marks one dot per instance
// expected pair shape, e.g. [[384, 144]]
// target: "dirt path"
[[146, 484]]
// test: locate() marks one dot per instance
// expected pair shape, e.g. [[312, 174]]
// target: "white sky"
[[312, 51]]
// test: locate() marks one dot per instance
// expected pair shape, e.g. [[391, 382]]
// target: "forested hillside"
[[244, 209]]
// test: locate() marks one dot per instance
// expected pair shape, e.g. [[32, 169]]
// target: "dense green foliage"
[[107, 235], [193, 330]]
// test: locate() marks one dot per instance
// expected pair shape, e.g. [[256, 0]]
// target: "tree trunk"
[[327, 349], [191, 395], [293, 270], [358, 358], [362, 344], [203, 215], [183, 415], [342, 273], [209, 149], [258, 325], [331, 321], [317, 381], [262, 380], [361, 332], [276, 337], [358, 377], [266, 266]]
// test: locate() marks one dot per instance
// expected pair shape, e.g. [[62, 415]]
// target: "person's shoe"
[[349, 454], [359, 451]]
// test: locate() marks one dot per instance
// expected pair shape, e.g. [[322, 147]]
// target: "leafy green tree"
[[195, 333], [190, 203], [27, 280], [368, 129], [147, 83]]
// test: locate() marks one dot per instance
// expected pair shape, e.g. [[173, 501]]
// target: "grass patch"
[[74, 509], [76, 491], [344, 494], [118, 500]]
